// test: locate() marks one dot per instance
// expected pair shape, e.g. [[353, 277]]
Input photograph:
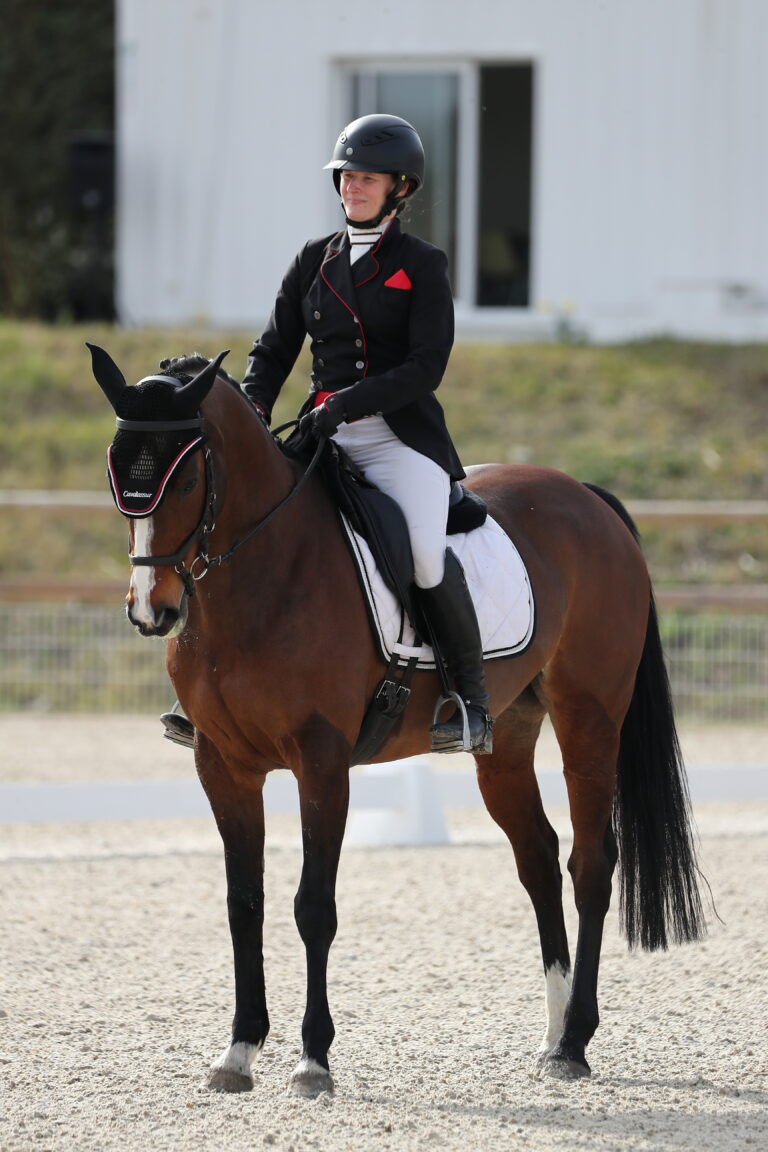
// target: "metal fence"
[[718, 665], [78, 658], [87, 658]]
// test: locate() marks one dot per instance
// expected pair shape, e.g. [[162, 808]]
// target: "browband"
[[160, 379], [157, 425]]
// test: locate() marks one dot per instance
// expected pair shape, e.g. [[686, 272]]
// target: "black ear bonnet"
[[142, 459], [158, 425]]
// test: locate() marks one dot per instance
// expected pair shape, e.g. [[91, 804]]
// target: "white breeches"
[[415, 482]]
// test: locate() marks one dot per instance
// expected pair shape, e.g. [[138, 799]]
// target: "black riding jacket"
[[380, 329]]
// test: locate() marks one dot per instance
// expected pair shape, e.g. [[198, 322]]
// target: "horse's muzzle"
[[167, 620]]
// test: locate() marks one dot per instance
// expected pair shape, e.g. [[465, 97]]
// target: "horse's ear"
[[190, 396], [108, 376]]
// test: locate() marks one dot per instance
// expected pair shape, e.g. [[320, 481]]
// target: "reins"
[[224, 557]]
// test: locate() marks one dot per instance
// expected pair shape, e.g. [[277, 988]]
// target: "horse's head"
[[159, 471]]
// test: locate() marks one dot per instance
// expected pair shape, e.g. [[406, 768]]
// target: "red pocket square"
[[399, 280]]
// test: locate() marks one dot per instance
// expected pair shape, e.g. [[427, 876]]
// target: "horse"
[[242, 565]]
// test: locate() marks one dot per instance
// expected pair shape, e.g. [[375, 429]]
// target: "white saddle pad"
[[497, 579]]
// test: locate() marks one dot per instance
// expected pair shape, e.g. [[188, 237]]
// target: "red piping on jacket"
[[351, 312], [320, 397]]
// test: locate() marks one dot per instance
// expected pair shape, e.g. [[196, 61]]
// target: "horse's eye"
[[189, 486]]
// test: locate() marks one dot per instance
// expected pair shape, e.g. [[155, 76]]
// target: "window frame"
[[468, 159], [467, 144]]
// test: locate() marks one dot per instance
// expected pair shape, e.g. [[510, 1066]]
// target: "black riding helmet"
[[380, 143]]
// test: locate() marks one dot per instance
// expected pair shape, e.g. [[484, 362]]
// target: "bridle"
[[202, 562], [207, 521]]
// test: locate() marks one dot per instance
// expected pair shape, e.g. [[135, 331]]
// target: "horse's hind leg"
[[589, 740], [511, 794], [239, 813]]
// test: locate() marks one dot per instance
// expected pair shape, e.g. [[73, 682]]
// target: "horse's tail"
[[658, 872]]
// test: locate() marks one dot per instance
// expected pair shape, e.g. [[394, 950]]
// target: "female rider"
[[377, 306]]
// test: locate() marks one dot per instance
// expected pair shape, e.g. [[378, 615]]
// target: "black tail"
[[660, 901]]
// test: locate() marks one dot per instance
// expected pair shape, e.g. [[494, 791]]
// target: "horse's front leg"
[[239, 813], [324, 800]]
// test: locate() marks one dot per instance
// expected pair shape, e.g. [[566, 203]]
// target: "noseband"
[[207, 522]]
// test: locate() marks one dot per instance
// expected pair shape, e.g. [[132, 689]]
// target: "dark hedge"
[[57, 65]]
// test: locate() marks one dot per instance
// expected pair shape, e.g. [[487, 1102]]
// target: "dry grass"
[[657, 419]]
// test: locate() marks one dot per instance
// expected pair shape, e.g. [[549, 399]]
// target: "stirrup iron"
[[464, 742], [178, 728]]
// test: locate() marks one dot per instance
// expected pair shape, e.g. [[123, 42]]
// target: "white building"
[[595, 163]]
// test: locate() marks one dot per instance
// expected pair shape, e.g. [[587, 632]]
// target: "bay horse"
[[270, 651]]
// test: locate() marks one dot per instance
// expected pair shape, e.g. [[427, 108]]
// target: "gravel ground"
[[117, 991]]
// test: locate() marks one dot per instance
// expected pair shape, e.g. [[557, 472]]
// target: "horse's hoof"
[[227, 1080], [232, 1071], [564, 1068], [309, 1079]]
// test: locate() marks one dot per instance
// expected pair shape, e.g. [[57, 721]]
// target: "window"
[[429, 101], [504, 186], [476, 124]]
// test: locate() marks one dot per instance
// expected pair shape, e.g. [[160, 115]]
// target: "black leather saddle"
[[380, 521]]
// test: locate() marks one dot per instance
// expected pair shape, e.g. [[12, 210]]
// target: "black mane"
[[185, 367]]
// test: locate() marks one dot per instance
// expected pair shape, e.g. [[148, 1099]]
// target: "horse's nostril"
[[165, 620], [161, 622]]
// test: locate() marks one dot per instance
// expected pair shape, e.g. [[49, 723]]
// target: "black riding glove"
[[323, 420]]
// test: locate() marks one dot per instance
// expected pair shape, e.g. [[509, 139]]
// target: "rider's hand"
[[323, 420]]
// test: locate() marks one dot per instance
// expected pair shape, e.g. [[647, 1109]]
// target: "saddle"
[[379, 520]]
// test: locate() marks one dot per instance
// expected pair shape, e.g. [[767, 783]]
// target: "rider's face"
[[363, 193]]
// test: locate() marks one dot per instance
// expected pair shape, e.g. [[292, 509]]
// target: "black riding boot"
[[452, 615]]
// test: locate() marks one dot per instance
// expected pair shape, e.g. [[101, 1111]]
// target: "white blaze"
[[142, 578]]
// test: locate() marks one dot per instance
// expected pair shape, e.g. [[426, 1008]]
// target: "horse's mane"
[[185, 367]]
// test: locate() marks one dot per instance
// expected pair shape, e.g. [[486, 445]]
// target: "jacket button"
[[358, 343], [355, 319], [317, 315], [360, 364], [321, 363]]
